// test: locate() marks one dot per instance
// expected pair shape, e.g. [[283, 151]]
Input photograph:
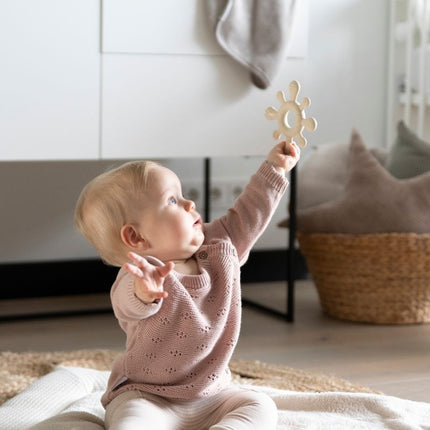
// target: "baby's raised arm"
[[148, 279], [251, 213]]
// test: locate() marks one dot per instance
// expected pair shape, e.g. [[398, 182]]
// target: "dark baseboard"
[[57, 278], [271, 266], [45, 279]]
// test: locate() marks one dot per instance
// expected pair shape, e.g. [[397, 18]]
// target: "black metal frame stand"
[[290, 274], [288, 315]]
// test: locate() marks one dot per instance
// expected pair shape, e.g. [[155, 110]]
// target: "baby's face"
[[170, 224]]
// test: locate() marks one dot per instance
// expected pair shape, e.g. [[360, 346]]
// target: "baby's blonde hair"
[[107, 203]]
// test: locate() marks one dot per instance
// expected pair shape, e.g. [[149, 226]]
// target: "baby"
[[177, 295]]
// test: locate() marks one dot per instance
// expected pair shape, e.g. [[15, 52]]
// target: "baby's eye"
[[172, 201]]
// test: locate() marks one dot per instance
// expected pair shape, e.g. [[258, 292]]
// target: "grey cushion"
[[323, 175], [373, 200], [409, 155]]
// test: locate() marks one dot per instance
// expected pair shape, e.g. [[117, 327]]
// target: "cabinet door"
[[50, 73]]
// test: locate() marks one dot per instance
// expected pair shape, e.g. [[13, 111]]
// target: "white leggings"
[[234, 408]]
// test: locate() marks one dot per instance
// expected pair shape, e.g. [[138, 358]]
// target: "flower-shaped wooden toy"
[[294, 130]]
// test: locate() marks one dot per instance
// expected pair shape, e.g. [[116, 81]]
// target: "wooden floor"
[[392, 359]]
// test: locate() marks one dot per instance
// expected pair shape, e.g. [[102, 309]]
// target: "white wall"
[[345, 77], [347, 68]]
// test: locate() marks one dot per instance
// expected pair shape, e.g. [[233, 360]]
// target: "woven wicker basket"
[[376, 278]]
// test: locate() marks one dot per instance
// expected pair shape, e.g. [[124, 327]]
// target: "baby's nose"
[[190, 205]]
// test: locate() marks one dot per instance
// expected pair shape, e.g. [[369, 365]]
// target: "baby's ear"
[[132, 238]]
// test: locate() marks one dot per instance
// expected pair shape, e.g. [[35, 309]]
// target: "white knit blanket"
[[69, 399]]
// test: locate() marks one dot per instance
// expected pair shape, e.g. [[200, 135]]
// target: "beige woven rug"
[[18, 370]]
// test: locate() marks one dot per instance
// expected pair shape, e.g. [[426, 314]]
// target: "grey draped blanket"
[[255, 33]]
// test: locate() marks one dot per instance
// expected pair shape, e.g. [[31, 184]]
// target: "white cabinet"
[[49, 79], [91, 79], [169, 90]]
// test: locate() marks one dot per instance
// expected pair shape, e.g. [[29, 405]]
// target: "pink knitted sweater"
[[180, 347]]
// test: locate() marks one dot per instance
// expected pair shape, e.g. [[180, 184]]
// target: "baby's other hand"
[[148, 279], [284, 156]]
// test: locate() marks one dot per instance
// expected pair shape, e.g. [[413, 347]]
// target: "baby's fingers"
[[138, 260], [157, 295], [149, 295], [133, 270], [293, 150], [163, 271]]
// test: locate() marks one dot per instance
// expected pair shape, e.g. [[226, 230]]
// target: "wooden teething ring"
[[300, 121]]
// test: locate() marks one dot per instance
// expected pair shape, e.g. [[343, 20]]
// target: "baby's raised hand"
[[284, 156], [148, 279]]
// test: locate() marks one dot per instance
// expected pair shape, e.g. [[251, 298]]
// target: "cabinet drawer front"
[[167, 106], [157, 27], [175, 27]]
